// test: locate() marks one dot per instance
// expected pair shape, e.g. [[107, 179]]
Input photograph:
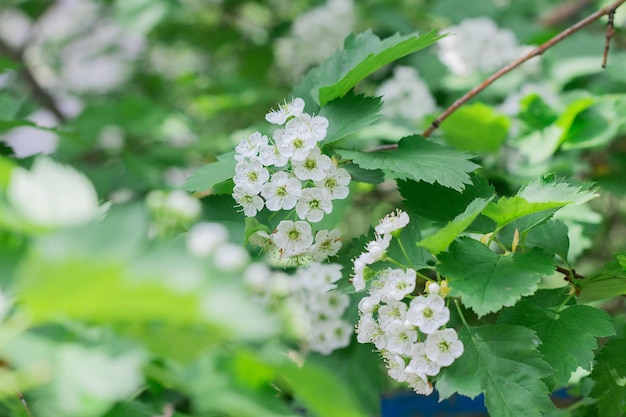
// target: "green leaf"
[[212, 174], [503, 363], [610, 281], [568, 334], [349, 114], [551, 236], [442, 204], [417, 257], [420, 160], [9, 106], [321, 391], [536, 112], [597, 125], [439, 241], [361, 55], [543, 194], [487, 281], [610, 376], [476, 128]]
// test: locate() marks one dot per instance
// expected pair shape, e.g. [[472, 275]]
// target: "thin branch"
[[608, 10], [610, 31], [44, 98]]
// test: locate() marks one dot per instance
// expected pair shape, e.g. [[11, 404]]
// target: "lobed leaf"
[[568, 334], [418, 159], [487, 281], [211, 174], [502, 362]]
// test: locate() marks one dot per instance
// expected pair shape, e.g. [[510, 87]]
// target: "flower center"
[[281, 191], [310, 164], [298, 143], [428, 313], [293, 234]]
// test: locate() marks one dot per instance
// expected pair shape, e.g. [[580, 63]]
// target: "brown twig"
[[38, 91], [610, 31], [568, 274], [608, 10]]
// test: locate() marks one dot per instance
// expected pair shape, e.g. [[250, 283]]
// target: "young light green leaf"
[[361, 55], [476, 128], [212, 174], [610, 281], [543, 195], [503, 363], [439, 241], [420, 160], [487, 281], [568, 335], [551, 189], [610, 376], [349, 114]]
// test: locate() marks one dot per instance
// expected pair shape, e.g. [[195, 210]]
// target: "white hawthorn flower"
[[250, 146], [230, 257], [420, 363], [313, 167], [479, 45], [327, 244], [204, 237], [328, 336], [312, 204], [376, 249], [313, 127], [248, 198], [282, 192], [336, 183], [368, 331], [395, 365], [406, 95], [285, 111], [418, 382], [399, 338], [270, 156], [428, 313], [392, 311], [399, 283], [358, 278], [294, 144], [53, 195], [293, 238], [443, 347], [181, 204], [392, 222], [368, 304], [251, 172]]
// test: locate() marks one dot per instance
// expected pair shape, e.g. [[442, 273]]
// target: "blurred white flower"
[[315, 36], [406, 95], [204, 238], [478, 44], [14, 27], [28, 141], [53, 195]]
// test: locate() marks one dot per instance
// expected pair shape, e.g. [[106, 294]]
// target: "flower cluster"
[[479, 45], [289, 172], [408, 330], [314, 36], [310, 303], [406, 95]]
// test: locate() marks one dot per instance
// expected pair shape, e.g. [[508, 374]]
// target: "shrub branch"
[[608, 10]]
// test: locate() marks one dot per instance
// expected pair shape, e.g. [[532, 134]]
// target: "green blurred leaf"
[[597, 125], [442, 238], [362, 55], [349, 114], [535, 112], [502, 362], [476, 128], [609, 373], [420, 160], [212, 174], [568, 334], [321, 391], [609, 281], [487, 281]]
